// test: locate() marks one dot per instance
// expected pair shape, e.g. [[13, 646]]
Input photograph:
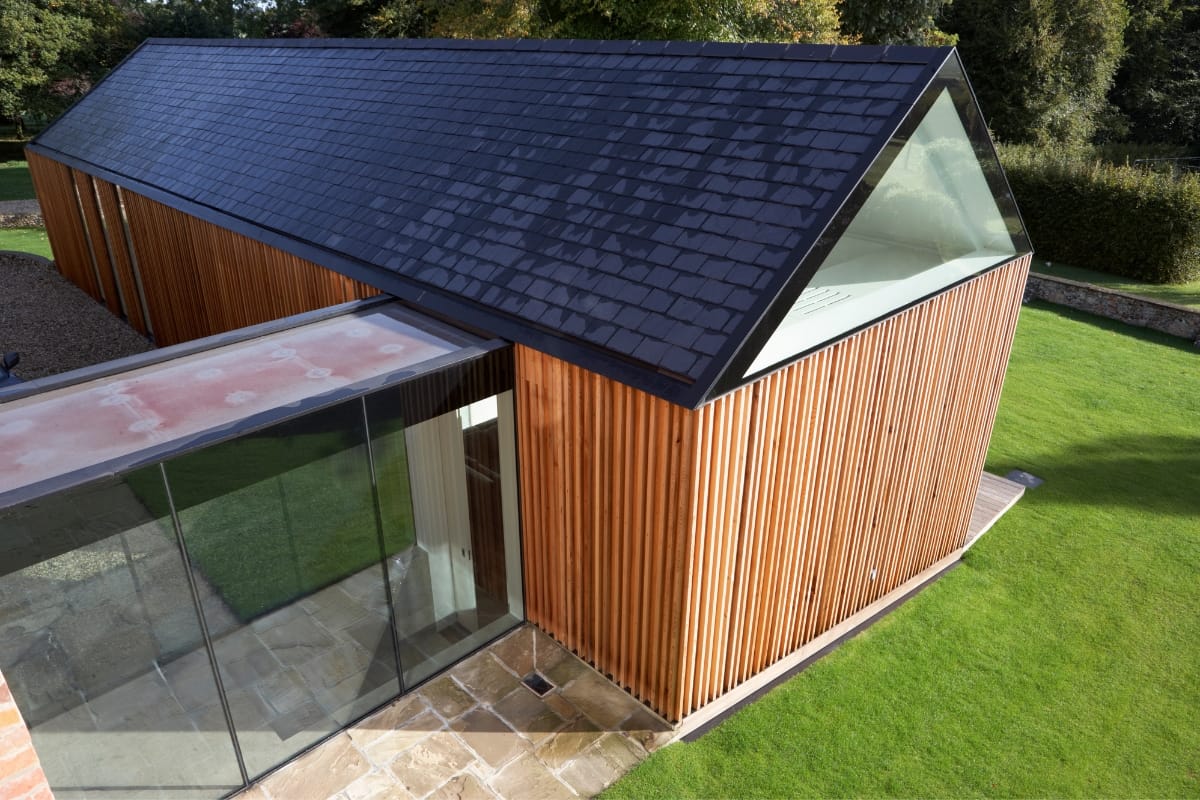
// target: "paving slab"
[[478, 733]]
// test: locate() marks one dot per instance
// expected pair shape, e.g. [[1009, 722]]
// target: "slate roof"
[[634, 207]]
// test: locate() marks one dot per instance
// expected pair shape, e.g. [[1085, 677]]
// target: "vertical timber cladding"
[[682, 552], [168, 272], [55, 190], [605, 519]]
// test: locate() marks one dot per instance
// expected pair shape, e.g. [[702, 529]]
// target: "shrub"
[[1113, 218], [12, 150]]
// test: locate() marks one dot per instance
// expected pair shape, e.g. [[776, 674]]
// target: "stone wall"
[[1130, 309], [21, 776]]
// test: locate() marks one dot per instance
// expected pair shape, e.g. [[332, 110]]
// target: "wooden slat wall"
[[682, 552], [121, 251], [862, 465], [55, 189], [197, 279], [97, 240], [201, 279], [605, 518]]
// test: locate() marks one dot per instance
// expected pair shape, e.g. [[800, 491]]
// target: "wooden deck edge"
[[742, 693], [1008, 492]]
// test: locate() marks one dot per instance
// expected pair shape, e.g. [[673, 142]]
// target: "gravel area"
[[54, 325]]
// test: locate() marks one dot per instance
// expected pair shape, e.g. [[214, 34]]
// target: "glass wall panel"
[[280, 527], [930, 221], [240, 601], [102, 647], [447, 487]]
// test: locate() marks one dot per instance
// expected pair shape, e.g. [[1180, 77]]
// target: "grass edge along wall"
[[682, 552]]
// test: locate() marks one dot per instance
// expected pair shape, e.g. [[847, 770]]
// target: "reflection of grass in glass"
[[268, 519]]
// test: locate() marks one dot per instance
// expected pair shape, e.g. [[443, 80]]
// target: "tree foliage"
[[51, 51], [1158, 84], [895, 21], [1042, 68], [716, 20]]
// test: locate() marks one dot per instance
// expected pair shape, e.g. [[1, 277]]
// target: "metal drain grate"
[[1025, 479], [537, 684]]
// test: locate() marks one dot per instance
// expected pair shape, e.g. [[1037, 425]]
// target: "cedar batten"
[[703, 546], [121, 253], [201, 279], [197, 279], [64, 226]]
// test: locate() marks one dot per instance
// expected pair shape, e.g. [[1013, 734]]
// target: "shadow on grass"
[[1113, 326], [1158, 474]]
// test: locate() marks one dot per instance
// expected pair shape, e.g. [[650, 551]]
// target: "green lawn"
[[26, 240], [1061, 658], [15, 183], [1184, 294]]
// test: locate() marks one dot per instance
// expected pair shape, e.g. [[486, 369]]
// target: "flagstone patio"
[[479, 732]]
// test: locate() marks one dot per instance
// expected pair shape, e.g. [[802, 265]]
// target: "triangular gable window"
[[931, 220]]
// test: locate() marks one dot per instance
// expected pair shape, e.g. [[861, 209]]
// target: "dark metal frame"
[[949, 76]]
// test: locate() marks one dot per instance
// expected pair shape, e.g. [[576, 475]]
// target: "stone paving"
[[102, 644], [479, 732]]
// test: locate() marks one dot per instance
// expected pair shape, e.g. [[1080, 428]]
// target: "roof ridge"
[[678, 48]]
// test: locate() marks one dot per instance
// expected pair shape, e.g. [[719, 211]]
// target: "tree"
[[51, 51], [1158, 84], [1041, 68], [718, 20], [895, 21]]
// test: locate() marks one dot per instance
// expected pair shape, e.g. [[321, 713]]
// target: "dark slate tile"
[[678, 360], [658, 301], [686, 309], [709, 343], [740, 299], [592, 188], [650, 351], [624, 342], [687, 285], [907, 74], [576, 324]]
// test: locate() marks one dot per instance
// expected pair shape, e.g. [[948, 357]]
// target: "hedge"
[[12, 150], [1113, 218]]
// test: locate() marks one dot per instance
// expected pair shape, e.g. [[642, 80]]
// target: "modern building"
[[689, 355]]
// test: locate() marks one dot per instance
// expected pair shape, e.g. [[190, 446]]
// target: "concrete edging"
[[1142, 312]]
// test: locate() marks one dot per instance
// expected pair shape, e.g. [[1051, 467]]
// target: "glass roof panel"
[[163, 407]]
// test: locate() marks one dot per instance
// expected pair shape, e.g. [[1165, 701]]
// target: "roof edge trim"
[[750, 50], [715, 381]]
